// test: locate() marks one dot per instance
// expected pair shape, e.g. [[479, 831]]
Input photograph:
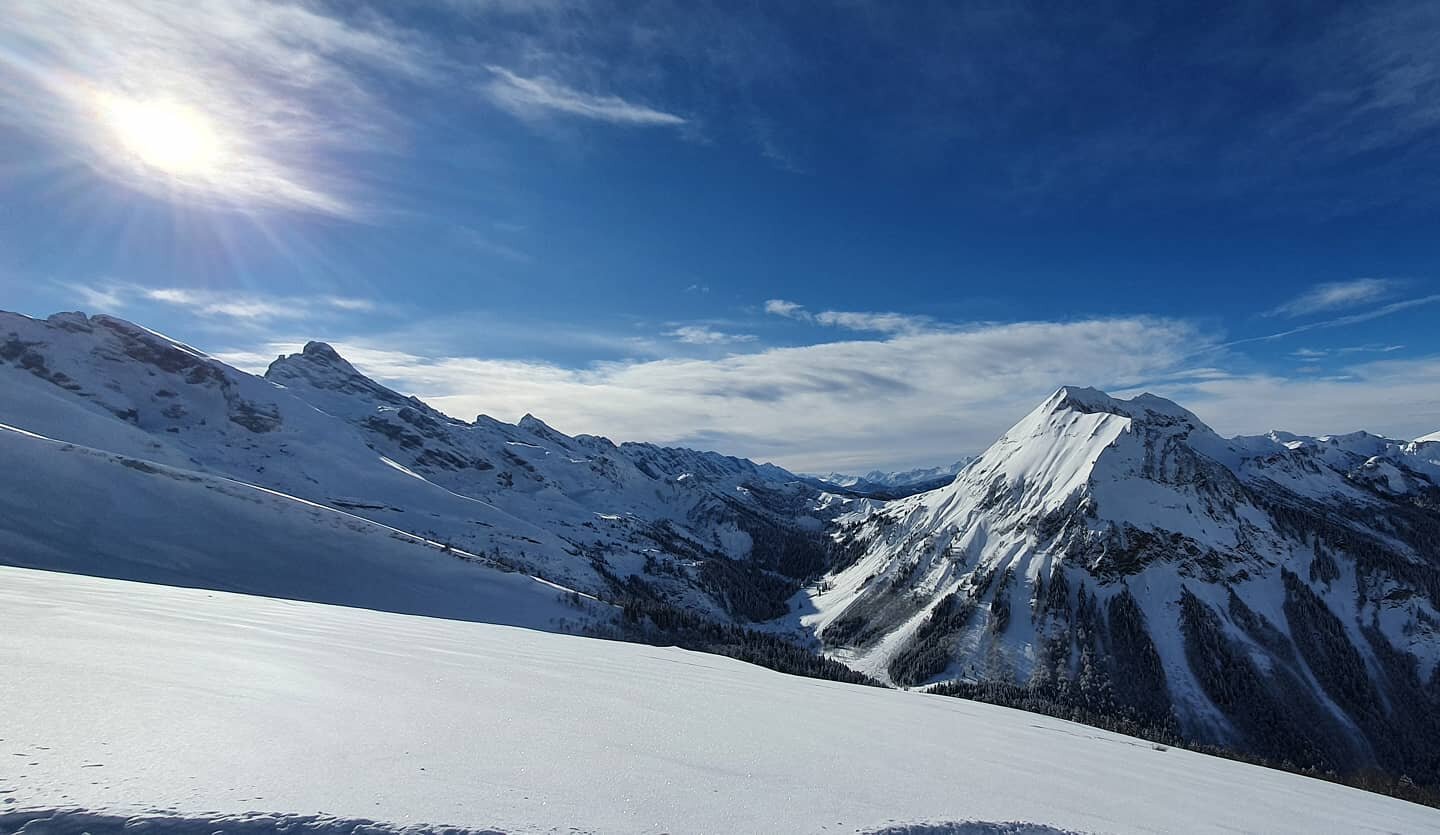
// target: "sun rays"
[[168, 138]]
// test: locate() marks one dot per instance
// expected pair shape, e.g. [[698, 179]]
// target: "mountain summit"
[[1118, 557]]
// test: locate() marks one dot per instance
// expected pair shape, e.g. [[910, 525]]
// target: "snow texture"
[[123, 699]]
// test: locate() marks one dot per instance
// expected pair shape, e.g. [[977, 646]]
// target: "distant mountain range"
[[1110, 560], [904, 482]]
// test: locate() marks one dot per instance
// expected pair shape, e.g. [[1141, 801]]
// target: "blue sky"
[[833, 235]]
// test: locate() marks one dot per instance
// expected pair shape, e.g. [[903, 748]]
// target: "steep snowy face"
[[529, 463], [498, 459], [107, 377], [86, 511], [329, 382], [699, 530], [1084, 465], [114, 386], [1119, 557]]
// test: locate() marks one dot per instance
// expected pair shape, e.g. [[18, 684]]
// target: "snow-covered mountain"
[[923, 478], [1112, 560], [720, 536], [1280, 594], [132, 708], [86, 511]]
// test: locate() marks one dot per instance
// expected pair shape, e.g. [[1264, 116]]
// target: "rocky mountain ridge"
[[1278, 594], [720, 536]]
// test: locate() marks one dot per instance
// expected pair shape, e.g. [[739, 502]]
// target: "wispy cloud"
[[1341, 321], [702, 335], [1370, 349], [874, 322], [276, 87], [99, 298], [534, 98], [855, 320], [788, 309], [207, 304], [1335, 295], [256, 308], [490, 244], [1313, 354]]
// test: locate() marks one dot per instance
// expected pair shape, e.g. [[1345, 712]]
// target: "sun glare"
[[168, 137]]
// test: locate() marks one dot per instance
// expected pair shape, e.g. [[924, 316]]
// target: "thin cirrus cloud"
[[255, 308], [788, 309], [703, 335], [215, 305], [539, 97], [1336, 295], [871, 321], [1314, 354], [1342, 321]]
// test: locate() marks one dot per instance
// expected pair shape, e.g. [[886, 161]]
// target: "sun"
[[167, 137]]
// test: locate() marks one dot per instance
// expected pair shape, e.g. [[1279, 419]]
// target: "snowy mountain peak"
[[72, 320], [1125, 539], [536, 426], [1079, 433], [322, 351], [316, 355], [1080, 398], [1086, 400], [319, 375]]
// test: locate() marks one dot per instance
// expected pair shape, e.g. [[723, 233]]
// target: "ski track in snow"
[[123, 699]]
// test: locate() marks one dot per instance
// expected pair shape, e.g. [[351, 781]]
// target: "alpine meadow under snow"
[[406, 608]]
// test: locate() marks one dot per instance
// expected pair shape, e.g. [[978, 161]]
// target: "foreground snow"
[[121, 697]]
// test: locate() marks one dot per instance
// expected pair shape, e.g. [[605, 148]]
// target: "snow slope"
[[120, 698], [98, 513], [580, 511]]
